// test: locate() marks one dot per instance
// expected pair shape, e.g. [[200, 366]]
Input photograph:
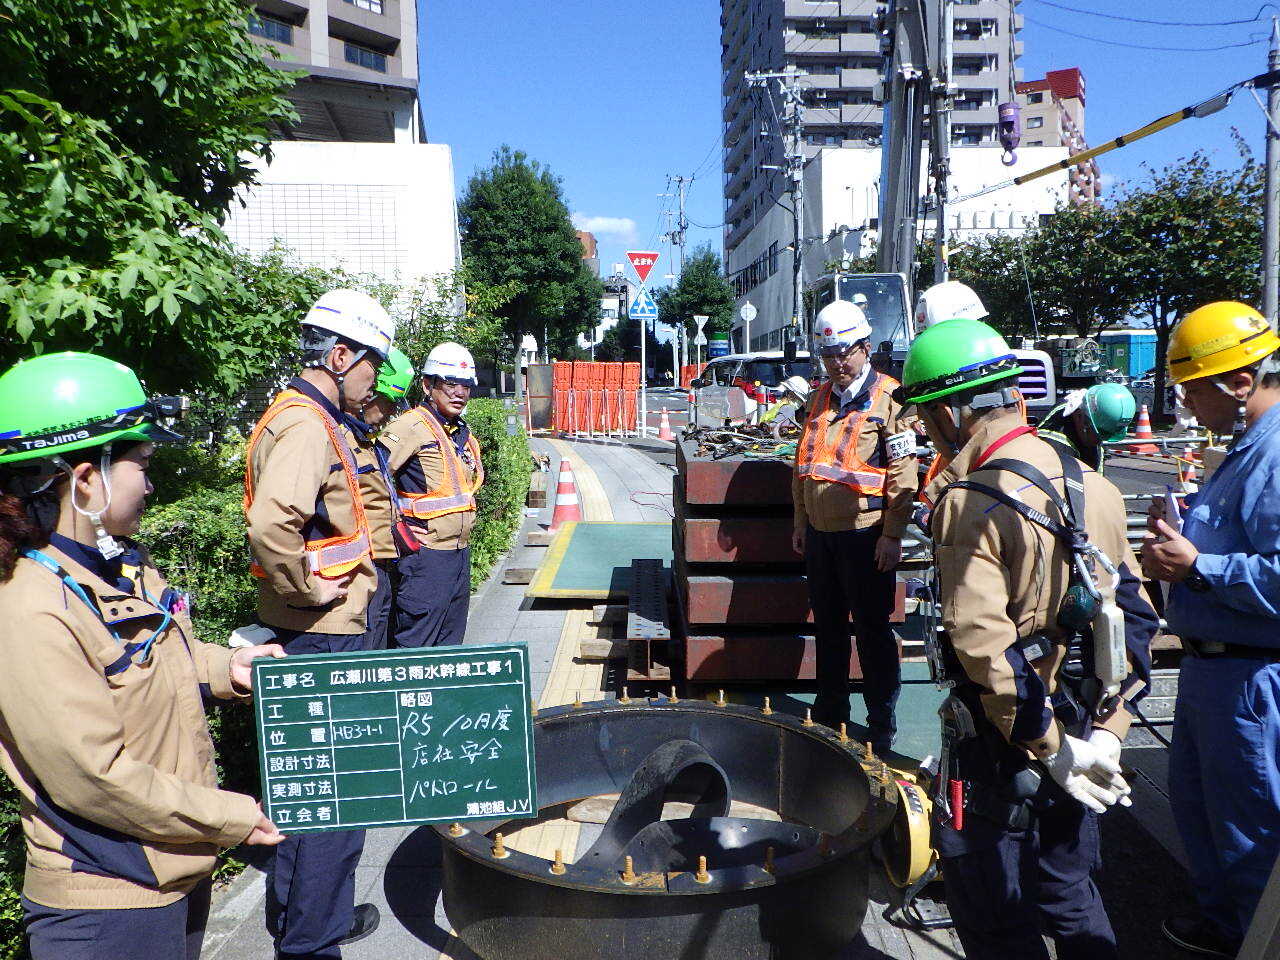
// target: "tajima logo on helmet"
[[39, 443], [827, 332]]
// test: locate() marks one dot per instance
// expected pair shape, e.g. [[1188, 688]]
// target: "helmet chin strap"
[[1242, 423], [108, 546], [339, 377]]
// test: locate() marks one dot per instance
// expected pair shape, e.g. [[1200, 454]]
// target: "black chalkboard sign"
[[383, 738]]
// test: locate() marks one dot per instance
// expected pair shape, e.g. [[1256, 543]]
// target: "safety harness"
[[332, 556], [1013, 782]]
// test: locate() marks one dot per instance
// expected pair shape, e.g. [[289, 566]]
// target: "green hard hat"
[[952, 356], [1110, 408], [395, 376], [61, 402]]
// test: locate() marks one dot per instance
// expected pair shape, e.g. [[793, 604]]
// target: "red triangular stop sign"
[[642, 261]]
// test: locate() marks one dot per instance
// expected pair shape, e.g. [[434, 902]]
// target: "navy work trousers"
[[432, 597], [175, 931], [378, 616], [843, 580], [1224, 783], [311, 887], [1004, 886]]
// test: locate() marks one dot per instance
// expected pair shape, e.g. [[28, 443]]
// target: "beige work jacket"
[[1003, 577], [114, 764]]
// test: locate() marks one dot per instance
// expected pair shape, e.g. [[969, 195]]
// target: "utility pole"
[[793, 165], [941, 152], [676, 237], [1271, 212]]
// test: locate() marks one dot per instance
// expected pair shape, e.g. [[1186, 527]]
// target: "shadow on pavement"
[[411, 884]]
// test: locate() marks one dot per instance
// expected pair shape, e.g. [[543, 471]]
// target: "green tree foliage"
[[455, 307], [702, 290], [622, 342], [517, 236], [1191, 234], [124, 131]]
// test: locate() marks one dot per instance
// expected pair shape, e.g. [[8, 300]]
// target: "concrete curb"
[[649, 444]]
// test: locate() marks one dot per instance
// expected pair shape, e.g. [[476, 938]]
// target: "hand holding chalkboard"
[[242, 662]]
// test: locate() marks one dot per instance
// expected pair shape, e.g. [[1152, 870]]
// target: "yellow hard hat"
[[1218, 338]]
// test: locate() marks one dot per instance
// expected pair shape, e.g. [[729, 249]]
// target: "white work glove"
[[253, 635], [1089, 771]]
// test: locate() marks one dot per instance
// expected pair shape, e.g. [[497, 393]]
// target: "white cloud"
[[621, 229], [1107, 181]]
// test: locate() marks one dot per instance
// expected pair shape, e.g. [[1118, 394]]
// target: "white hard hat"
[[354, 316], [948, 301], [450, 361], [840, 325], [798, 387]]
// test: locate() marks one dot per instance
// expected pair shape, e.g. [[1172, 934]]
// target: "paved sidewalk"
[[400, 868]]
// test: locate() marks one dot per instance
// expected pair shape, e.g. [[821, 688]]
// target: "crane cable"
[[1202, 109]]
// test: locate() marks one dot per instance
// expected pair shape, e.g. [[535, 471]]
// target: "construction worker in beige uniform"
[[434, 460], [853, 489], [102, 725], [312, 556], [395, 377], [1032, 733]]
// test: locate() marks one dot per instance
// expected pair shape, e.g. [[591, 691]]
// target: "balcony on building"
[[811, 45], [977, 28], [854, 78], [282, 28], [381, 17]]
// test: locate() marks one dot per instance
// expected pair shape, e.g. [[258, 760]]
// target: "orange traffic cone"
[[664, 428], [1187, 474], [1143, 432], [567, 506]]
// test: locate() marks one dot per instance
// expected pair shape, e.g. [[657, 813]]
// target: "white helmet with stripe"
[[839, 326], [950, 300], [450, 361], [354, 316]]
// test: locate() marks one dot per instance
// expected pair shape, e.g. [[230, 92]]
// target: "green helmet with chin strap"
[[61, 402], [395, 376], [955, 356], [1110, 409]]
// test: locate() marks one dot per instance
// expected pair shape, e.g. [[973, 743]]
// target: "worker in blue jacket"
[[1224, 603]]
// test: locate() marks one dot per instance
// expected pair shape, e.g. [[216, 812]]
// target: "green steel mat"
[[591, 560]]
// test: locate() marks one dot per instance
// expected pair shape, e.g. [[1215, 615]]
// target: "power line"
[[1160, 23], [1142, 46]]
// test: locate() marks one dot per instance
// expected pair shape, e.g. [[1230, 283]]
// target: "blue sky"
[[615, 96]]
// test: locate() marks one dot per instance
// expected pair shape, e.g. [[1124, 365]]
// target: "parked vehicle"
[[733, 387]]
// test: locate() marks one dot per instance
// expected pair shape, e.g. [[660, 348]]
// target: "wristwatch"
[[1195, 580]]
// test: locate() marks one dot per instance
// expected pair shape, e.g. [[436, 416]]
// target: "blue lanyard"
[[132, 649], [384, 466]]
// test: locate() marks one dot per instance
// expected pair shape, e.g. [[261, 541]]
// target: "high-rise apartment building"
[[1053, 116], [834, 46], [353, 183], [361, 58]]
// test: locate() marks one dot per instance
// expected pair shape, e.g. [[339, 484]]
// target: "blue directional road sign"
[[642, 306]]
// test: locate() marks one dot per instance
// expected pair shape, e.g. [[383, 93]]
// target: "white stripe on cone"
[[567, 505]]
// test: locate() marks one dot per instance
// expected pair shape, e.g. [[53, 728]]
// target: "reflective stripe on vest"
[[838, 461], [451, 496], [332, 556]]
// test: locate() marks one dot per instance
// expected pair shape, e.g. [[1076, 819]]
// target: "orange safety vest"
[[451, 496], [333, 556], [838, 461]]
